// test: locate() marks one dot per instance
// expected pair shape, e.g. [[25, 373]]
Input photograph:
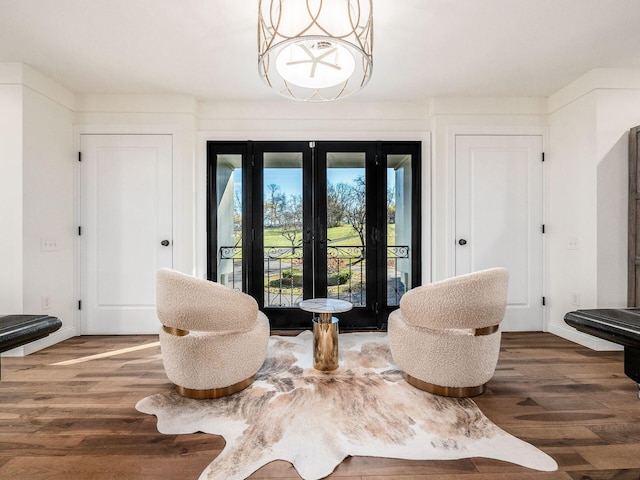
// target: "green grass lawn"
[[338, 236]]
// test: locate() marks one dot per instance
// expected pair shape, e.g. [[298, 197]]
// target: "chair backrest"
[[475, 300], [189, 303]]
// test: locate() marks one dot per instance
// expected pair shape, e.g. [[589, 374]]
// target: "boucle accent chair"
[[213, 339], [445, 336]]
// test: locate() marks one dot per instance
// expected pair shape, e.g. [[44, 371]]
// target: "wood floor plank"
[[77, 421], [105, 467], [551, 436], [633, 474], [612, 456], [478, 476]]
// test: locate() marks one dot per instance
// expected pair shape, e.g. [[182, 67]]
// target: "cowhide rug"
[[316, 419]]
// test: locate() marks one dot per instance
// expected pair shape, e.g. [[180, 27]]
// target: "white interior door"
[[126, 222], [499, 216]]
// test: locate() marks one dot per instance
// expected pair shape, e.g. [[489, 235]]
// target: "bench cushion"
[[621, 326], [17, 330]]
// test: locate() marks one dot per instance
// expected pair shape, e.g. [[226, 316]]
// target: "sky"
[[290, 179]]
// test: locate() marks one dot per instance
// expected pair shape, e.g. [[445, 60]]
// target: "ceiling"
[[422, 48]]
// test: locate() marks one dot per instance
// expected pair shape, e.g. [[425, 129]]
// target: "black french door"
[[289, 221]]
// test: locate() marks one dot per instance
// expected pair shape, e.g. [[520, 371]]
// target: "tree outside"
[[346, 234]]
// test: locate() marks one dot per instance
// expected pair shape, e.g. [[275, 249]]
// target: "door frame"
[[452, 133], [282, 136], [374, 150], [179, 254]]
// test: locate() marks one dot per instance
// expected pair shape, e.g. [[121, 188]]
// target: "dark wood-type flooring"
[[78, 421]]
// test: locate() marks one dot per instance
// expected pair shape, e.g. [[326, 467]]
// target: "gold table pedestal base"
[[325, 342]]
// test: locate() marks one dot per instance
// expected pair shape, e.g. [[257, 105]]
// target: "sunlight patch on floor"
[[107, 354]]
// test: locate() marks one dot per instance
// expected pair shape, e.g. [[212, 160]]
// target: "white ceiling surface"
[[422, 48]]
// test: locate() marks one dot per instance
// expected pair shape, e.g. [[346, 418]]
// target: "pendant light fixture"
[[315, 50]]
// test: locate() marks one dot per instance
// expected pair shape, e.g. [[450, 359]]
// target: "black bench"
[[621, 326], [17, 330]]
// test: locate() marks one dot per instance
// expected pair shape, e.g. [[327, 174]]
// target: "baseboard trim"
[[589, 341], [52, 339]]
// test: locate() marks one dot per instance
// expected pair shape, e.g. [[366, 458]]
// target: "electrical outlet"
[[573, 243], [48, 244], [575, 299], [46, 303]]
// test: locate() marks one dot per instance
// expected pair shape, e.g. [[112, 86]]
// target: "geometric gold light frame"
[[315, 50]]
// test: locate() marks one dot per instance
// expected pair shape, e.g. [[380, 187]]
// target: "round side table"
[[325, 330]]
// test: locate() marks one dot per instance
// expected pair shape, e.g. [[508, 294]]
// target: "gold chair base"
[[479, 332], [444, 391], [175, 331], [215, 392]]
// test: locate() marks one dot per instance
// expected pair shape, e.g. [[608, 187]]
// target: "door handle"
[[165, 243], [462, 241], [375, 235], [323, 235]]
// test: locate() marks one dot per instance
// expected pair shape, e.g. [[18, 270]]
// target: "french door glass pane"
[[399, 222], [346, 227], [229, 220], [282, 231]]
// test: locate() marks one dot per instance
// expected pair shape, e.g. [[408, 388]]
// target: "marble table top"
[[325, 305]]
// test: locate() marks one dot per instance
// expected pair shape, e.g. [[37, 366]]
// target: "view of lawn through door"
[[283, 229], [341, 228]]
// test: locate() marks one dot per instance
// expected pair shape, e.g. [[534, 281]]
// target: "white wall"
[[48, 206], [10, 198], [589, 124], [312, 121], [37, 186], [573, 211]]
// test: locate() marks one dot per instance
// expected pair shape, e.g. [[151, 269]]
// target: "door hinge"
[[253, 235], [544, 301], [79, 304], [543, 228], [253, 160], [377, 160], [543, 156], [79, 156], [79, 231], [312, 144]]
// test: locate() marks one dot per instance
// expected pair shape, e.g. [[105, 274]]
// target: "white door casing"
[[126, 214], [499, 214]]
